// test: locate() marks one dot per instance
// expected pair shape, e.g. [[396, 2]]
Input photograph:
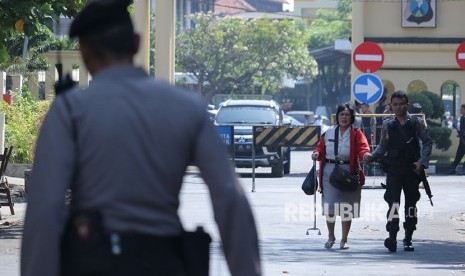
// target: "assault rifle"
[[423, 178]]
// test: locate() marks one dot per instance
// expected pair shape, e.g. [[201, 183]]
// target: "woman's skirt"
[[336, 202]]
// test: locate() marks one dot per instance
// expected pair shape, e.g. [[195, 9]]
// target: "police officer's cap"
[[100, 15]]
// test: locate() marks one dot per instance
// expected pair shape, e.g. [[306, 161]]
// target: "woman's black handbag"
[[344, 180], [310, 183], [340, 178]]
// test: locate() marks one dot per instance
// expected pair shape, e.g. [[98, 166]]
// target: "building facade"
[[419, 40], [308, 9]]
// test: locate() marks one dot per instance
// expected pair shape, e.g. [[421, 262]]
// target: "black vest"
[[403, 147]]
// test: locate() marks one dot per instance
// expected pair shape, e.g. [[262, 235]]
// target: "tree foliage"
[[440, 137], [423, 100], [334, 72], [438, 104], [23, 120], [243, 56], [29, 16], [433, 108], [42, 42], [331, 25]]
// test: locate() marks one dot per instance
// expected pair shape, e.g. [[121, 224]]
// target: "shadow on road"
[[433, 254], [11, 230]]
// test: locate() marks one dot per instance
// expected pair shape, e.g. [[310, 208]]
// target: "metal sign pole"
[[233, 146], [253, 160], [314, 203]]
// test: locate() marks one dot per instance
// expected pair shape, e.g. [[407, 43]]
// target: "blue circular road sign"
[[367, 88]]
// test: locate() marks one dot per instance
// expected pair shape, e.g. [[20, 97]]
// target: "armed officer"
[[124, 161], [403, 160]]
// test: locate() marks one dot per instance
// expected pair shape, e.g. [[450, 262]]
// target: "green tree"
[[39, 43], [423, 100], [331, 25], [438, 105], [28, 16], [242, 56], [23, 120], [333, 72], [433, 108]]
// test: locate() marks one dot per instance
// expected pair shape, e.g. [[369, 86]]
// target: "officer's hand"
[[418, 167], [315, 156], [367, 158]]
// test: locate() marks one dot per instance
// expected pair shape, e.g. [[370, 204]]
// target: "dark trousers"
[[140, 255], [87, 250], [459, 155], [398, 179]]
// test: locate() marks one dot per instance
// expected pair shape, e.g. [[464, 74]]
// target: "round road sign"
[[368, 57], [367, 88], [460, 55]]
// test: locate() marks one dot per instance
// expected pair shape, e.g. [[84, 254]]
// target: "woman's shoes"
[[329, 244], [344, 245]]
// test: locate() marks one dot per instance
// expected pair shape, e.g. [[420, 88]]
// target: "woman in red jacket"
[[352, 145]]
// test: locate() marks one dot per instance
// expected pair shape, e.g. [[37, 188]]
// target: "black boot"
[[408, 246], [391, 242], [408, 241]]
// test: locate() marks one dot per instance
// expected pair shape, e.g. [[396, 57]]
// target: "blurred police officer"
[[124, 160], [461, 148], [404, 160]]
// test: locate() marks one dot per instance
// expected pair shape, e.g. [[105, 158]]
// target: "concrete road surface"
[[284, 214]]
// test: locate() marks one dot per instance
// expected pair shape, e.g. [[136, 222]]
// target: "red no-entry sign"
[[368, 57], [460, 55]]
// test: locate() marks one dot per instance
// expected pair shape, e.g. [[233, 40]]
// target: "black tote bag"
[[310, 183]]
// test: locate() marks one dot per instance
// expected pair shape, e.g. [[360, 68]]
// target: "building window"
[[451, 97]]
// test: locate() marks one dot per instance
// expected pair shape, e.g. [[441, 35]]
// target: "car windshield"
[[304, 119], [246, 115]]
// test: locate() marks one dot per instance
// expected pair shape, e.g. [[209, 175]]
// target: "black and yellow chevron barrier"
[[286, 136]]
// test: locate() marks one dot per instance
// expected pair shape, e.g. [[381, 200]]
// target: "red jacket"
[[359, 147]]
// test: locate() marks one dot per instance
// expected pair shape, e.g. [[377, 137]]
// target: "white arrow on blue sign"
[[367, 88]]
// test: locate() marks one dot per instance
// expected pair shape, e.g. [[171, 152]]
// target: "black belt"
[[340, 162]]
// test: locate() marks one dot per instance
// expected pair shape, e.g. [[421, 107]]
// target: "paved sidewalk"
[[11, 229], [283, 215]]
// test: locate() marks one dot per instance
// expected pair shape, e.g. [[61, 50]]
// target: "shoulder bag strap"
[[336, 142], [355, 154]]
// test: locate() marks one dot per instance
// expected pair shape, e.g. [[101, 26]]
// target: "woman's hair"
[[342, 107]]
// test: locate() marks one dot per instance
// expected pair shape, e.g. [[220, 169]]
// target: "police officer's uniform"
[[124, 153], [461, 148], [399, 148]]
